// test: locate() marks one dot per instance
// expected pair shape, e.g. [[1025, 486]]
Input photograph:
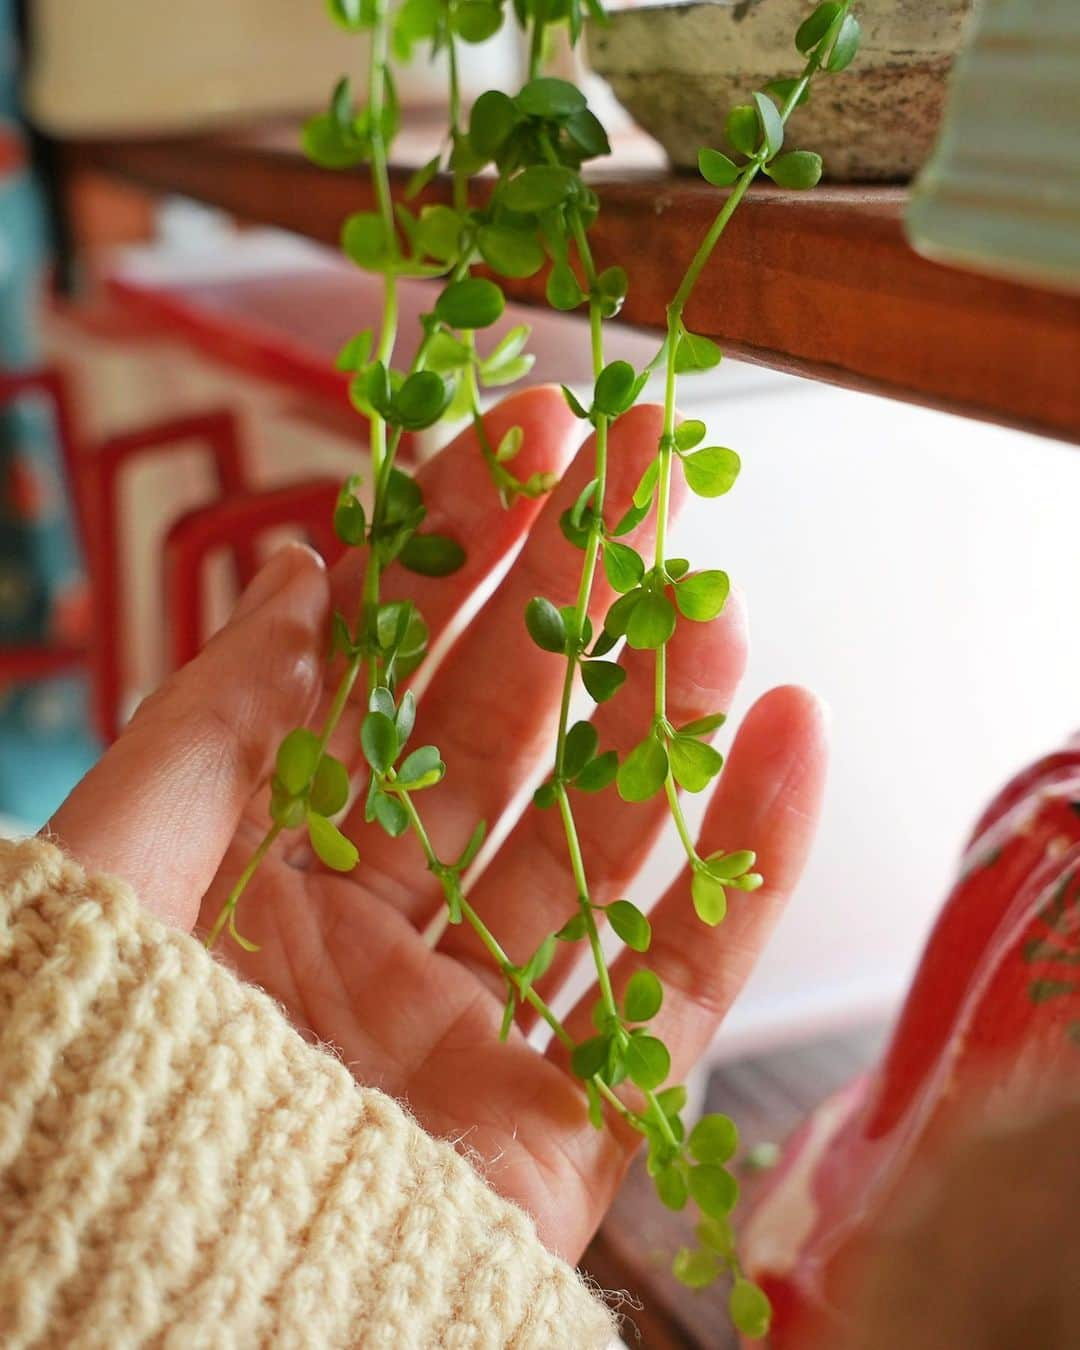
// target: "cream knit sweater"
[[179, 1169]]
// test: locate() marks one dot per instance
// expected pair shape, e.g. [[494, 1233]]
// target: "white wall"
[[919, 571]]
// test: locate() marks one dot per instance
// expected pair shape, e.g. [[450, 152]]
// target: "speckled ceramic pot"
[[679, 68]]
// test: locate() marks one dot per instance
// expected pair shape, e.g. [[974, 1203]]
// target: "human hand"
[[180, 801]]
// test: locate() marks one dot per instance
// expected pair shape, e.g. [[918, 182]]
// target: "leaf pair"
[[309, 786], [582, 766]]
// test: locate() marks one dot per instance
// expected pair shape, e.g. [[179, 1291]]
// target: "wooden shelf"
[[822, 284]]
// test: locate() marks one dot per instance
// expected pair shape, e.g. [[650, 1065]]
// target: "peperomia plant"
[[536, 213]]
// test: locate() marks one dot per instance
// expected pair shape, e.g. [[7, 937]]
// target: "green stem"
[[674, 328], [577, 867], [448, 877], [675, 806], [228, 909], [461, 181], [536, 42]]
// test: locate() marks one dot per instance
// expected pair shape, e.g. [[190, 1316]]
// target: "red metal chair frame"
[[236, 523], [93, 474]]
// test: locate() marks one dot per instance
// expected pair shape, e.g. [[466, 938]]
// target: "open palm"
[[347, 955]]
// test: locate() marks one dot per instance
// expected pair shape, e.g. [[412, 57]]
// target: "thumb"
[[163, 804]]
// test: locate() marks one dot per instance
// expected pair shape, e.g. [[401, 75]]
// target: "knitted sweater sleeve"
[[178, 1168]]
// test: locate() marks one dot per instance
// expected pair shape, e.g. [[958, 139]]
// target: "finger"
[[462, 502], [768, 800], [491, 706], [528, 891], [164, 802]]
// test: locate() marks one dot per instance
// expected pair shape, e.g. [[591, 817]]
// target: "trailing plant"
[[536, 215]]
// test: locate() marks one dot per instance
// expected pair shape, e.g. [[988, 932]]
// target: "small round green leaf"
[[599, 773], [742, 129], [750, 1309], [710, 899], [714, 1189], [694, 764], [364, 239], [651, 623], [716, 168], [581, 745], [696, 353], [714, 1139], [422, 399], [438, 232], [702, 597], [729, 865], [545, 625], [356, 353], [613, 283], [672, 1100], [550, 98], [330, 844], [563, 291], [379, 740], [390, 814], [695, 1268], [510, 445], [643, 772], [330, 787], [689, 433], [573, 930], [476, 20], [772, 128], [711, 472], [618, 616], [589, 1057], [491, 122], [350, 523], [421, 769], [602, 679], [717, 1235], [701, 726], [647, 1062], [628, 923], [813, 29], [587, 132], [297, 758], [432, 555], [846, 46], [511, 253], [623, 566], [614, 390], [671, 1187], [643, 997], [472, 303], [797, 169], [539, 188], [325, 145]]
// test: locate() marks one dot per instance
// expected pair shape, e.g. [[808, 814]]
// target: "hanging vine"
[[537, 214]]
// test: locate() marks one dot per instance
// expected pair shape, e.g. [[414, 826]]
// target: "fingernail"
[[274, 576]]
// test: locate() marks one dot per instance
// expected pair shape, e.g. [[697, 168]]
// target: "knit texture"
[[179, 1169]]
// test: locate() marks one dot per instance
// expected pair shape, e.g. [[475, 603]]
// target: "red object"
[[993, 1017], [94, 473], [283, 323], [237, 522]]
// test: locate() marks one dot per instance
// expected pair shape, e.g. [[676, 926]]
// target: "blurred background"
[[169, 409]]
